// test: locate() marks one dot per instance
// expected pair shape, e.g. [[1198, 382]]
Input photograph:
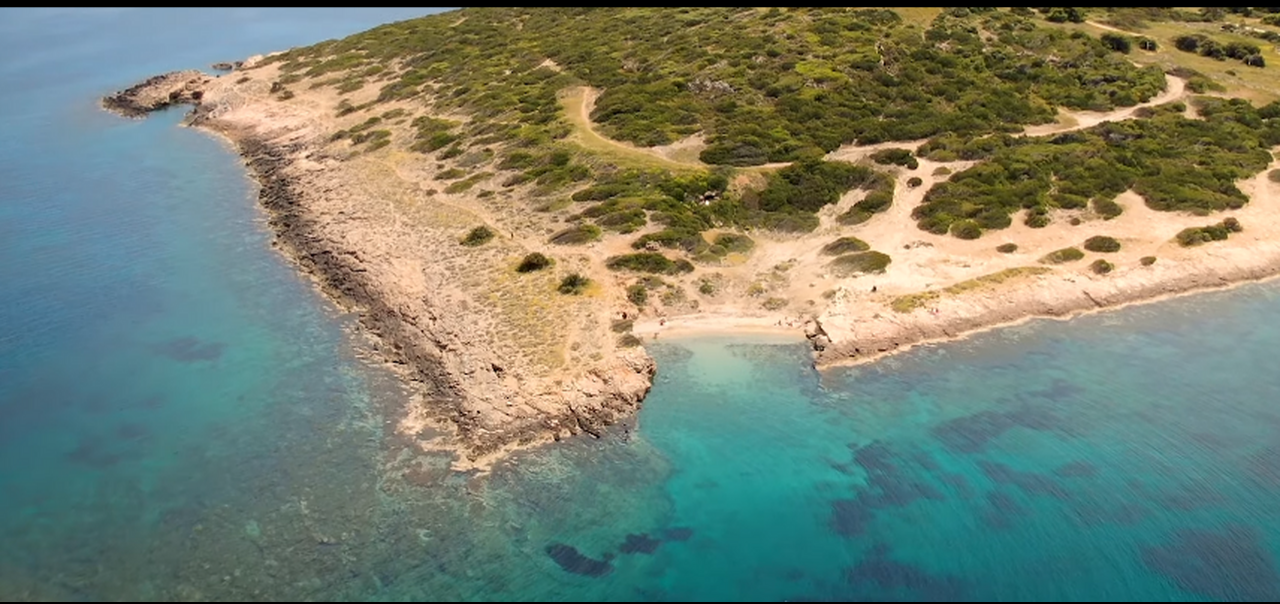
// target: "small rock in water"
[[571, 560], [639, 544]]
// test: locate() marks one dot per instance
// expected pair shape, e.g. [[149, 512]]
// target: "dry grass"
[[910, 302], [1258, 85]]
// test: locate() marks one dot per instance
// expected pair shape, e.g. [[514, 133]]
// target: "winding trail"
[[1069, 121]]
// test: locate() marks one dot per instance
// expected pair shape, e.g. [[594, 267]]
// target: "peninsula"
[[514, 201]]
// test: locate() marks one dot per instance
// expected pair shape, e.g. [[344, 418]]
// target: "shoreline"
[[452, 406], [381, 245], [1050, 297]]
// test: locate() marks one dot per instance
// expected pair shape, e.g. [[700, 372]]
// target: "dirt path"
[[580, 101], [1079, 120]]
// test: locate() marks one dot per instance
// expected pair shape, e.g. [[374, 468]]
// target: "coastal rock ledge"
[[464, 371], [158, 92]]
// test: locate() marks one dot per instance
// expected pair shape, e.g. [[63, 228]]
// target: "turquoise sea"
[[184, 418]]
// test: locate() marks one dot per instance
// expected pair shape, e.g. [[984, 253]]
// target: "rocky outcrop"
[[472, 399], [495, 404], [860, 335], [158, 92], [227, 65]]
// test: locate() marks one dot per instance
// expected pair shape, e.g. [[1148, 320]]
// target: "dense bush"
[[810, 184], [914, 182], [1101, 243], [1007, 248], [1101, 266], [1117, 42], [1069, 254], [573, 284], [966, 229], [845, 245], [648, 262], [1203, 45], [1107, 208], [1147, 260], [897, 157], [478, 236], [762, 88], [1193, 236], [534, 261], [859, 262], [1176, 164]]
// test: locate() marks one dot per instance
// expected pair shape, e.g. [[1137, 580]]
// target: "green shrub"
[[899, 157], [1193, 236], [914, 182], [1101, 266], [1007, 248], [1037, 221], [478, 236], [966, 229], [648, 262], [859, 262], [1068, 254], [577, 235], [845, 245], [534, 261], [1102, 243], [638, 294], [1107, 208], [707, 288], [1117, 42], [1232, 224], [573, 284], [733, 243], [1147, 260]]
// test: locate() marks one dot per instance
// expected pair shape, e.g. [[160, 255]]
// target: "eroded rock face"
[[158, 92]]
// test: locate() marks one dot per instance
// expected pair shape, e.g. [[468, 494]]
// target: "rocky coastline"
[[437, 362]]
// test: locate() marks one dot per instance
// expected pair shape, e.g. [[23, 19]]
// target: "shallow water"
[[183, 417]]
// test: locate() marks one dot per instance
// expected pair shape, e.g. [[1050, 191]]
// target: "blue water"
[[183, 418]]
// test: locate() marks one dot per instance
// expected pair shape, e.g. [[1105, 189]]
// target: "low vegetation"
[[1101, 267], [577, 235], [845, 245], [858, 263], [1064, 255], [573, 284], [649, 262], [910, 302], [1174, 163], [1101, 243], [1147, 260], [1007, 248], [1249, 54], [478, 236], [1193, 236], [534, 261]]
